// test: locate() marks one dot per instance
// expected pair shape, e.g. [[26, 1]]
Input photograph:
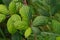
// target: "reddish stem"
[[25, 2]]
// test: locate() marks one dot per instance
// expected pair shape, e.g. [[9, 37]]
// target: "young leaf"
[[28, 32], [10, 24], [12, 7], [18, 5], [24, 11], [3, 9], [21, 25]]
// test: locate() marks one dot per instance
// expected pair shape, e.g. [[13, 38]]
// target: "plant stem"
[[35, 36], [25, 2]]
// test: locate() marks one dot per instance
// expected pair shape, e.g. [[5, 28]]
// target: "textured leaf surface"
[[24, 11], [3, 9], [21, 25], [12, 7], [18, 5], [10, 23]]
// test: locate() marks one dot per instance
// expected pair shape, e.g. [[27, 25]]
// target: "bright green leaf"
[[2, 17], [28, 32], [3, 9], [11, 21]]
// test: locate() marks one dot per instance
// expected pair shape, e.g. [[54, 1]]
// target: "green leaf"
[[58, 38], [21, 25], [28, 32], [40, 20], [10, 24], [56, 26], [3, 9], [24, 12], [40, 4], [12, 7], [43, 12], [18, 5], [2, 17]]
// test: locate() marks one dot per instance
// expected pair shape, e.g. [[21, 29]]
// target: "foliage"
[[29, 19]]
